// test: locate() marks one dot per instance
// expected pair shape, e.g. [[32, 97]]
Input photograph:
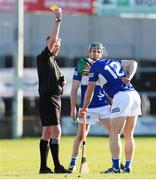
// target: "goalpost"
[[17, 125]]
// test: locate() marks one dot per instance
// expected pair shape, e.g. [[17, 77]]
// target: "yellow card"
[[53, 7]]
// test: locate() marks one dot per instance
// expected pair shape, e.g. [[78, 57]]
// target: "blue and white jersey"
[[108, 72], [99, 98]]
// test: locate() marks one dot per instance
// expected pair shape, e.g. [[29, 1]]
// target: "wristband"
[[58, 20]]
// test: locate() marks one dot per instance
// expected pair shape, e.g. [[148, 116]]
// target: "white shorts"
[[126, 103], [96, 114]]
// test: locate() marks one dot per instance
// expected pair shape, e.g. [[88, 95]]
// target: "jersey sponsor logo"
[[84, 80], [100, 96], [115, 110], [91, 75], [75, 73]]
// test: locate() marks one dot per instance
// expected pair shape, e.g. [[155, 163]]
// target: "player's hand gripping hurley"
[[84, 169]]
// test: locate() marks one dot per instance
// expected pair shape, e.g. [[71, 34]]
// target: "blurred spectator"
[[106, 2], [2, 109], [145, 106]]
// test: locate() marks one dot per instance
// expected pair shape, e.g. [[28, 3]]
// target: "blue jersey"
[[108, 72], [99, 98]]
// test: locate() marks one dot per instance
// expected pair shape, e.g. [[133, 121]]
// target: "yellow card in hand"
[[53, 7]]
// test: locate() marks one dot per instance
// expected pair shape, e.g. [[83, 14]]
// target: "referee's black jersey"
[[49, 74]]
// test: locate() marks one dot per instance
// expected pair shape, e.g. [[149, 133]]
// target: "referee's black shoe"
[[61, 170], [45, 170]]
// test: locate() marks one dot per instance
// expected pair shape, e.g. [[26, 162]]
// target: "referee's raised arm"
[[53, 38]]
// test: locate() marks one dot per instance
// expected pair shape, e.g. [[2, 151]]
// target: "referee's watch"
[[58, 20]]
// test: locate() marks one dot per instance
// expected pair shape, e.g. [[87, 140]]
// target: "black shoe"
[[72, 168], [124, 170], [111, 171], [45, 171], [128, 170], [61, 170], [122, 166]]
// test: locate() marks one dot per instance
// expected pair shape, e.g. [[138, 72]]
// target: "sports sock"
[[73, 161], [43, 153], [47, 152], [54, 147], [128, 164], [116, 163]]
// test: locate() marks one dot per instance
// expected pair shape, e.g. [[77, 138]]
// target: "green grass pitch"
[[19, 159]]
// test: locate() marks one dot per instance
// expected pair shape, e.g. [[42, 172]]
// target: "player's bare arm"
[[88, 94], [130, 66], [73, 98]]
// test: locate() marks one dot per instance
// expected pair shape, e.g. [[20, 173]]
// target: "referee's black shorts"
[[50, 110]]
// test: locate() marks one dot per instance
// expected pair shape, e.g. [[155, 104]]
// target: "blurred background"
[[125, 27]]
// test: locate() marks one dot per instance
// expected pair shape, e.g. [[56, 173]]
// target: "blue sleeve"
[[76, 75], [93, 74]]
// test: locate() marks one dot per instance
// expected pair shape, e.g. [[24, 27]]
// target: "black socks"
[[44, 149], [54, 147]]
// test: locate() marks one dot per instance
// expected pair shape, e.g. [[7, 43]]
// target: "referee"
[[51, 82]]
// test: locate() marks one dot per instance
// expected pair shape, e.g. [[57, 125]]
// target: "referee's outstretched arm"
[[55, 33]]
